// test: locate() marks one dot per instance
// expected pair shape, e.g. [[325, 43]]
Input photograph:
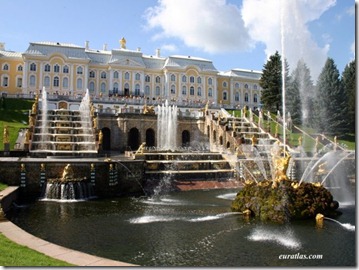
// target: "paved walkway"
[[21, 237]]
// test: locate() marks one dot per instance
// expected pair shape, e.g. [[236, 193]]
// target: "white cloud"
[[263, 20], [352, 49], [213, 26], [169, 47]]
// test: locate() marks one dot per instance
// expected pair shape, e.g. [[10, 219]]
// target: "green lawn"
[[12, 254], [14, 114], [2, 186]]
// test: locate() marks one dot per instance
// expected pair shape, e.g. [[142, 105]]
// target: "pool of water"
[[192, 228]]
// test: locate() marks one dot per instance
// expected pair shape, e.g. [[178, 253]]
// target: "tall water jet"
[[44, 123], [167, 127], [86, 122]]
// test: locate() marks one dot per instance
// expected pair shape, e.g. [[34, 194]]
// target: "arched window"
[[236, 96], [173, 78], [79, 84], [115, 75], [158, 79], [137, 90], [92, 86], [191, 79], [19, 82], [103, 87], [79, 70], [138, 76], [57, 68], [246, 86], [5, 67], [191, 91], [199, 80], [147, 90], [147, 78], [255, 98], [5, 81], [47, 81], [127, 76], [246, 97], [56, 81], [158, 91], [210, 92], [184, 90], [184, 78], [224, 95], [32, 80], [47, 68], [255, 87], [65, 82], [92, 74], [210, 81], [115, 88], [103, 75], [65, 69], [32, 67], [19, 68], [236, 85], [199, 91], [224, 84], [173, 89]]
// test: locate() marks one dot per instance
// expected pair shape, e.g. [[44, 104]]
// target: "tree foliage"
[[348, 84]]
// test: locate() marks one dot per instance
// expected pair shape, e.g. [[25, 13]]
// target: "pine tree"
[[331, 100], [271, 83], [348, 84]]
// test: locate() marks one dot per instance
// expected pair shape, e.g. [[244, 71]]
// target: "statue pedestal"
[[6, 147]]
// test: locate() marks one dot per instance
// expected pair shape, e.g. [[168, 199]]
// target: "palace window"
[[115, 88], [32, 80], [65, 82], [32, 67], [103, 87], [246, 97], [137, 90], [47, 81], [225, 95], [246, 86], [236, 96], [5, 67], [173, 78], [199, 91], [5, 81], [184, 78], [56, 81], [103, 75], [255, 87], [65, 69], [57, 68], [191, 79], [19, 82], [79, 84], [92, 86], [191, 91], [210, 81], [138, 76], [199, 80], [184, 90], [47, 68], [127, 76], [255, 98], [210, 92], [92, 74], [224, 84], [158, 79], [173, 89], [158, 91], [19, 68], [236, 85], [147, 90], [79, 71], [115, 75]]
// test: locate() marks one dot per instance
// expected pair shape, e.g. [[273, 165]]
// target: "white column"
[[71, 78], [111, 80], [86, 77], [41, 79], [24, 78]]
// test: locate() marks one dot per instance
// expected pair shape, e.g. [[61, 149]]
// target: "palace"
[[68, 69]]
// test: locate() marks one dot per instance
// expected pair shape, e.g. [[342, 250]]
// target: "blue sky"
[[231, 33]]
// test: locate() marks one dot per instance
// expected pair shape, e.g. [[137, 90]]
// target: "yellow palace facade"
[[68, 69]]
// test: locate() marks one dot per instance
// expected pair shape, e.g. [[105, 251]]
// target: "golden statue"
[[281, 166], [300, 141], [100, 137], [22, 167], [148, 109], [335, 144], [34, 108], [94, 121], [321, 168], [319, 219], [68, 173], [141, 149], [6, 135], [31, 121], [254, 140], [42, 167], [27, 136], [123, 43], [92, 167]]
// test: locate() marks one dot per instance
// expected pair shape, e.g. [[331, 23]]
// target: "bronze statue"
[[100, 137], [6, 135], [68, 173], [141, 149], [281, 165], [148, 109]]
